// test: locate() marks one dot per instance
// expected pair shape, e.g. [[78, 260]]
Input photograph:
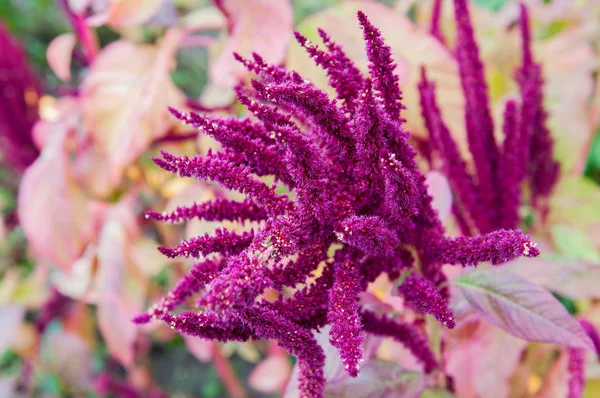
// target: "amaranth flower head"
[[355, 191]]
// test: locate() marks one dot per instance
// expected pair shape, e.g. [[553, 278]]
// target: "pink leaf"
[[123, 13], [10, 319], [59, 55], [54, 213], [521, 308], [470, 361], [200, 348], [439, 188], [262, 26], [120, 296], [378, 379], [125, 98], [271, 374]]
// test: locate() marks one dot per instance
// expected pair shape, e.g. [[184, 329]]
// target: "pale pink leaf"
[[378, 379], [556, 382], [482, 363], [125, 99], [439, 188], [120, 297], [573, 279], [125, 13], [262, 26], [520, 307], [271, 374], [59, 55], [77, 281], [10, 318], [200, 348], [2, 228], [54, 212]]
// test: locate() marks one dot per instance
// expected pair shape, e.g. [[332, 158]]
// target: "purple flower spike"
[[19, 95], [346, 329], [356, 207], [423, 296], [382, 67], [454, 166], [490, 198], [224, 242], [576, 369], [217, 210], [480, 127], [368, 234], [496, 247], [543, 170], [403, 333]]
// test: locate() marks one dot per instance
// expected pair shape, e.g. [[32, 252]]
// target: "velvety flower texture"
[[20, 90], [357, 207], [490, 198]]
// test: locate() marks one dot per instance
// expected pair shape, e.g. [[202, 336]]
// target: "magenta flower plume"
[[421, 293], [19, 94], [576, 367], [357, 208], [490, 198]]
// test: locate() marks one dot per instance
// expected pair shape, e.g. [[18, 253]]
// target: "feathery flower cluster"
[[19, 94], [357, 207], [490, 199]]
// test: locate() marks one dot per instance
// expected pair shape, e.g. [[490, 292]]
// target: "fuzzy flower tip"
[[490, 198], [422, 294], [358, 207]]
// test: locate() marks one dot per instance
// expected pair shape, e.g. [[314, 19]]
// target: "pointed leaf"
[[125, 98], [270, 374], [439, 189], [59, 55], [521, 308], [378, 379], [54, 212], [261, 26]]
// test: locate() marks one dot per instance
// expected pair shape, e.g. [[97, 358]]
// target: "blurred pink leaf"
[[121, 14], [270, 374], [77, 281], [439, 188], [125, 99], [146, 257], [120, 297], [10, 318], [482, 361], [520, 307], [55, 214], [200, 348], [2, 228], [70, 356], [261, 26], [573, 279], [59, 55], [555, 383]]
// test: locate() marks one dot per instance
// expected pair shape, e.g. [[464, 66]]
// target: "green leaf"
[[575, 244], [491, 5]]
